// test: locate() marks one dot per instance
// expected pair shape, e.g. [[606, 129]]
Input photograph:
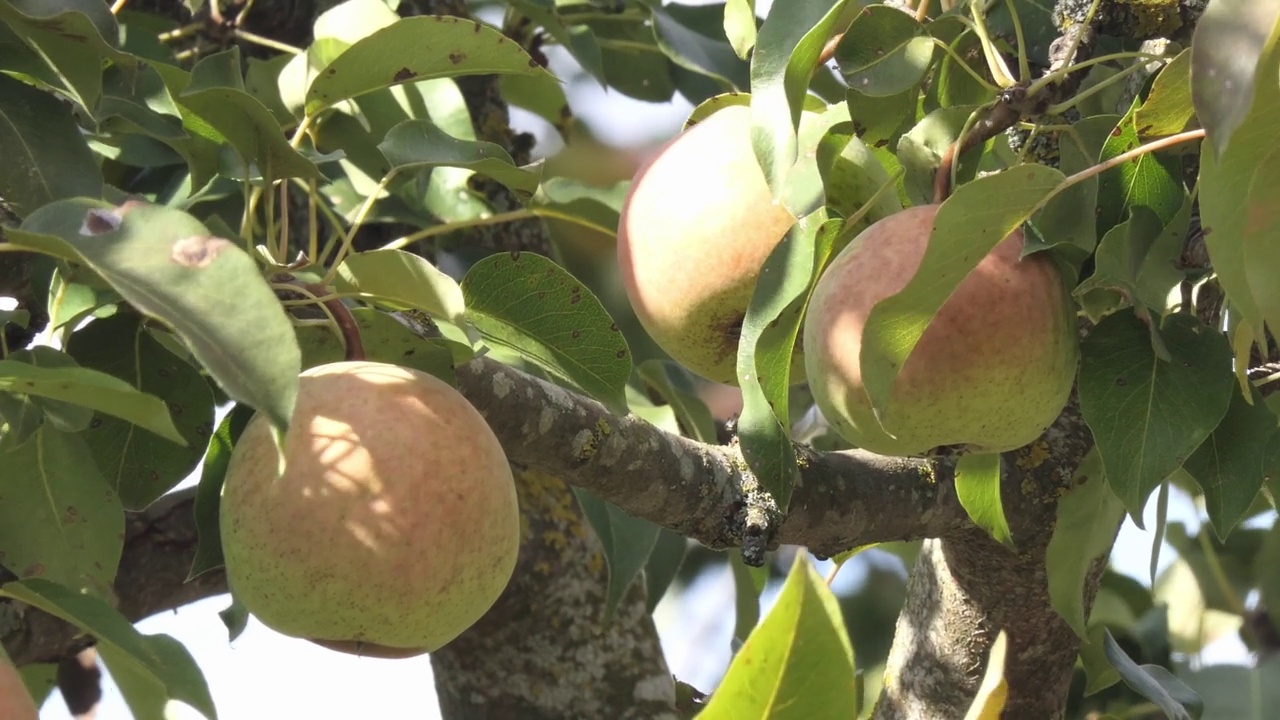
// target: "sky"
[[263, 674]]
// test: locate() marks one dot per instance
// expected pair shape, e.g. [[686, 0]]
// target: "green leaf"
[[634, 65], [385, 340], [40, 679], [67, 416], [207, 289], [673, 383], [1153, 180], [402, 280], [1148, 415], [1119, 257], [787, 50], [1236, 692], [140, 465], [533, 306], [71, 301], [352, 20], [1070, 216], [1233, 45], [46, 157], [1231, 465], [1238, 180], [418, 48], [421, 143], [853, 178], [628, 542], [217, 97], [748, 583], [73, 37], [956, 84], [691, 38], [978, 489], [159, 658], [967, 227], [92, 389], [740, 25], [1099, 674], [798, 663], [579, 40], [885, 52], [881, 121], [58, 519], [1168, 107], [581, 204], [1088, 516], [663, 565], [209, 491], [1153, 682], [767, 356], [921, 149]]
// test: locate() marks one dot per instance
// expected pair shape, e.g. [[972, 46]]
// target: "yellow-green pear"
[[990, 373], [697, 225], [394, 526]]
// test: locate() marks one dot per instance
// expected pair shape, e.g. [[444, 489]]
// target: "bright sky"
[[266, 675]]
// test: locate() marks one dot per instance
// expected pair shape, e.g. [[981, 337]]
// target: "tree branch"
[[844, 500], [966, 588]]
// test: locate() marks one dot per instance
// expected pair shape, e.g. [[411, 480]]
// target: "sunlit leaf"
[[209, 290], [533, 306], [1148, 415], [418, 48], [797, 663]]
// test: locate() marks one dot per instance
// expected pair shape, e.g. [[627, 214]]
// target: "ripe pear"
[[15, 701], [696, 226], [991, 372], [394, 526]]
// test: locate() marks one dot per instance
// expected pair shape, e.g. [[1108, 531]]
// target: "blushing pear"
[[15, 702], [697, 225], [991, 372], [394, 526]]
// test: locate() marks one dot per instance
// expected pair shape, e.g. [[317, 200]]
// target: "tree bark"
[[966, 587], [543, 652]]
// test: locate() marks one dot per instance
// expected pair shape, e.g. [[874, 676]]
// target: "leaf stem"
[[349, 236], [1153, 146], [266, 42], [922, 14], [1024, 65], [999, 70], [509, 216]]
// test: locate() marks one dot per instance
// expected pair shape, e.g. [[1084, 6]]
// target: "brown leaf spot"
[[457, 57], [405, 73], [101, 222], [198, 251]]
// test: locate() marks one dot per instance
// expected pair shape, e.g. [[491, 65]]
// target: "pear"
[[394, 526], [15, 701], [991, 372], [697, 224]]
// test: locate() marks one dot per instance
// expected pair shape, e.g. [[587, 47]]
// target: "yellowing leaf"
[[994, 691]]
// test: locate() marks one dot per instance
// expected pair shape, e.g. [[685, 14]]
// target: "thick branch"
[[845, 499], [527, 657], [966, 588]]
